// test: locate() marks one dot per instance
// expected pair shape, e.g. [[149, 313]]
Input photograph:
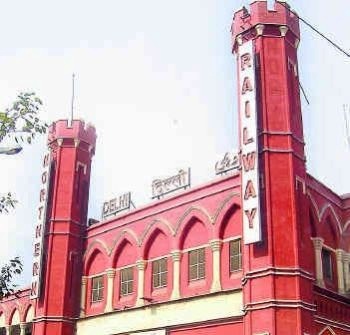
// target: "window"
[[235, 255], [126, 281], [327, 264], [196, 264], [97, 289], [28, 329], [2, 331], [15, 330], [159, 273]]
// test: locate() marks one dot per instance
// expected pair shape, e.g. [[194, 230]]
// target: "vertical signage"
[[249, 144], [40, 227]]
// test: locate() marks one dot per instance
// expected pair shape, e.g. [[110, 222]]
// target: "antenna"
[[72, 106], [347, 122]]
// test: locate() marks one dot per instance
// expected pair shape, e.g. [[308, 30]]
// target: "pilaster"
[[110, 290], [176, 255], [83, 296], [318, 244], [346, 259], [23, 328], [216, 250], [141, 266]]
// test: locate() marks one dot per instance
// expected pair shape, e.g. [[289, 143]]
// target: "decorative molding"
[[259, 28], [141, 265], [111, 273], [215, 245], [176, 255], [283, 30], [239, 39]]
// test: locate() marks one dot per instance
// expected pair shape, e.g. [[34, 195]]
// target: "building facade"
[[262, 249]]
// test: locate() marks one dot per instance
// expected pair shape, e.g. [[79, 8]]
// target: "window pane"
[[97, 289], [126, 281], [235, 255], [196, 264], [201, 255], [163, 279], [193, 272], [327, 264], [201, 270], [155, 267], [235, 247], [159, 272], [162, 264], [193, 257]]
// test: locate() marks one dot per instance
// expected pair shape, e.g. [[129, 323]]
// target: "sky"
[[157, 79]]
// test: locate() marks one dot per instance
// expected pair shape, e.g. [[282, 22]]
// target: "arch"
[[29, 314], [91, 255], [121, 249], [313, 221], [225, 218], [327, 331], [162, 225], [194, 212], [232, 200], [15, 317], [346, 226], [161, 239], [96, 244], [329, 212], [327, 209], [124, 234], [196, 230]]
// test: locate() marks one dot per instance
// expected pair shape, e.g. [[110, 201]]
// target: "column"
[[216, 248], [23, 328], [346, 259], [83, 296], [340, 271], [8, 328], [318, 243], [141, 265], [110, 290], [176, 256]]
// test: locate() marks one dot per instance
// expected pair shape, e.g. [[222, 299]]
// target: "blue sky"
[[157, 79]]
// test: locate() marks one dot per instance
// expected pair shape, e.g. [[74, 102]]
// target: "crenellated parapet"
[[72, 134], [260, 20]]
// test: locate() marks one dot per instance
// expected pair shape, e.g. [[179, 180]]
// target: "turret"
[[72, 147], [276, 271]]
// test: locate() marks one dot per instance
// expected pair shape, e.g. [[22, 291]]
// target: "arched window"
[[15, 328], [2, 324]]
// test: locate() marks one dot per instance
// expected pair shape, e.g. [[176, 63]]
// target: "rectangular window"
[[196, 264], [327, 264], [235, 255], [159, 273], [126, 281], [97, 289], [15, 330]]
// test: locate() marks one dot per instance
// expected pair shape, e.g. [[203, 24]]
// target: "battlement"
[[246, 19], [79, 130]]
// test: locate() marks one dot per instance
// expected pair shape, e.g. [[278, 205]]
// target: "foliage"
[[6, 201], [14, 267], [21, 119]]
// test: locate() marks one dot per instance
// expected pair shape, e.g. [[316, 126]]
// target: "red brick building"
[[264, 249]]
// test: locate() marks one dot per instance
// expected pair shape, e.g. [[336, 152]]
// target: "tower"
[[71, 147], [277, 282]]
